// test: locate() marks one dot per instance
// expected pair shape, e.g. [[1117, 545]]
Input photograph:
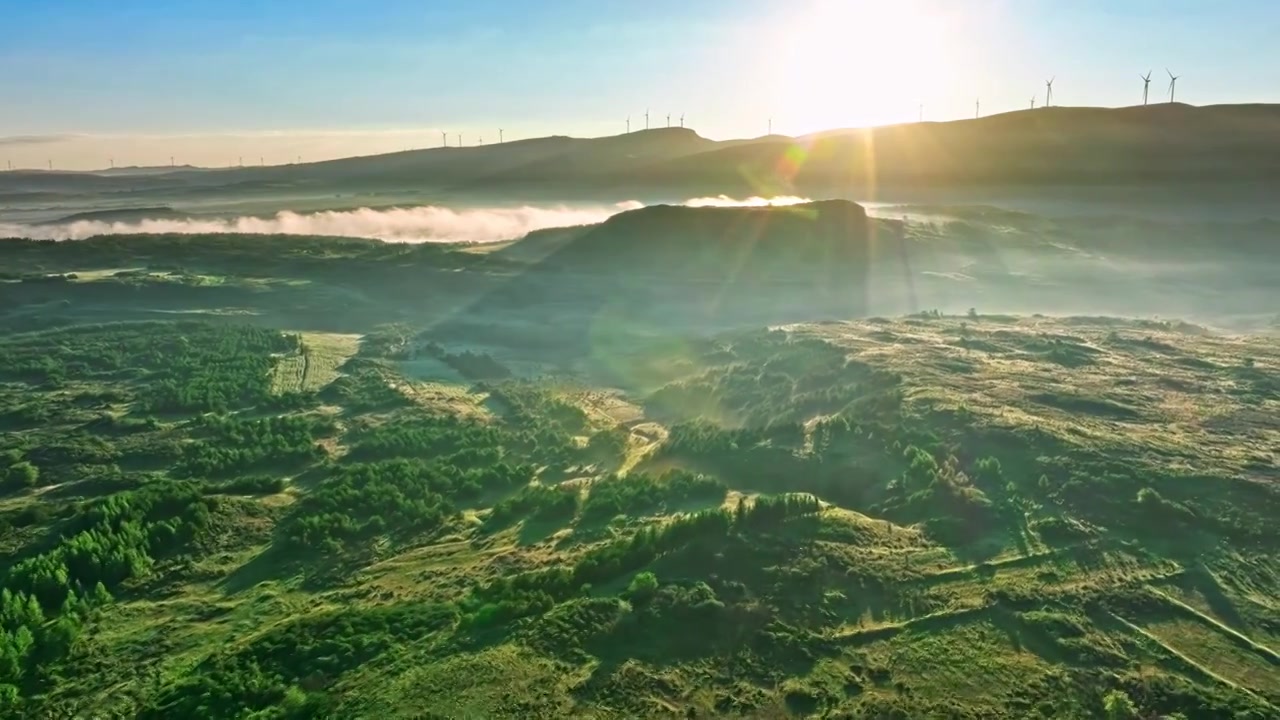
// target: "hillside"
[[813, 242], [209, 518], [1158, 144]]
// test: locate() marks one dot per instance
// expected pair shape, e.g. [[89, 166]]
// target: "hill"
[[820, 242], [209, 518], [1051, 146], [1167, 144]]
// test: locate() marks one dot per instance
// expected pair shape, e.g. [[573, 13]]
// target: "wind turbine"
[[646, 118], [113, 163], [668, 119], [770, 126], [977, 108], [500, 140], [1146, 86], [444, 139], [1048, 91], [1173, 84], [459, 139], [1033, 102], [628, 124], [681, 119], [170, 161]]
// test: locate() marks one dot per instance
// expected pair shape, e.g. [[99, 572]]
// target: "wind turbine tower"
[[770, 126], [977, 108], [681, 119], [668, 119], [1048, 91], [1146, 86], [628, 124], [1173, 84], [1033, 102], [646, 118], [500, 138], [444, 139], [113, 163]]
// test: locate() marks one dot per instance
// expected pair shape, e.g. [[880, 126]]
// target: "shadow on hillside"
[[671, 271]]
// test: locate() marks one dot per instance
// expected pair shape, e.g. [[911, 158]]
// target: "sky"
[[84, 83]]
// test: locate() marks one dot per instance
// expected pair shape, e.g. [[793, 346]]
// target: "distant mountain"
[[146, 170], [1157, 144]]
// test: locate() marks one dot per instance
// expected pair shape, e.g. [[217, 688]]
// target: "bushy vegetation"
[[403, 497], [640, 494], [539, 503], [176, 541], [278, 674], [231, 445], [45, 597], [181, 367], [470, 365], [536, 592]]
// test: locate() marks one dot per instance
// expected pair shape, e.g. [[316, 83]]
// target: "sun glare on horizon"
[[842, 63]]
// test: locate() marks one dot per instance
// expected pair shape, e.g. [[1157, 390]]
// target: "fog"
[[429, 223], [726, 201], [416, 224]]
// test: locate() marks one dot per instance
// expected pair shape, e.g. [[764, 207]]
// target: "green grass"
[[1041, 596]]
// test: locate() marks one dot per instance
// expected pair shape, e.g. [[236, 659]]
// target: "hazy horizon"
[[211, 84]]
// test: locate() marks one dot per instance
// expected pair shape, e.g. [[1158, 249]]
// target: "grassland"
[[245, 516]]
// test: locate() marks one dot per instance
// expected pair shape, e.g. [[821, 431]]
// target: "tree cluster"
[[45, 597], [392, 496], [536, 592], [238, 446], [639, 493]]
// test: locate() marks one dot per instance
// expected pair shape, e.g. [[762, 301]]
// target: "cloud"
[[416, 224], [726, 201], [34, 139]]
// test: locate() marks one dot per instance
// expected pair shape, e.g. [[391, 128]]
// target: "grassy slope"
[[899, 617], [1069, 586]]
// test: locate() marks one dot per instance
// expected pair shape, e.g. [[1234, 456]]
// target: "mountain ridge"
[[1168, 143]]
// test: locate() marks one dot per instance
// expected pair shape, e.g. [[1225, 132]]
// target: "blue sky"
[[333, 77]]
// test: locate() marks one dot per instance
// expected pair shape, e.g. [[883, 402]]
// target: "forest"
[[210, 516]]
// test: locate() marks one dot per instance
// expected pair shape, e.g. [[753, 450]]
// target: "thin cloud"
[[34, 139]]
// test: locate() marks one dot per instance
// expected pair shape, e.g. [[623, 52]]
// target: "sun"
[[841, 63]]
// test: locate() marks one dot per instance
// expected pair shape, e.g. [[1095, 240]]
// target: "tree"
[[24, 474], [642, 588], [1118, 706]]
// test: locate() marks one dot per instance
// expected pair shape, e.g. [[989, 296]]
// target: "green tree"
[[1118, 706], [23, 473], [642, 588]]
